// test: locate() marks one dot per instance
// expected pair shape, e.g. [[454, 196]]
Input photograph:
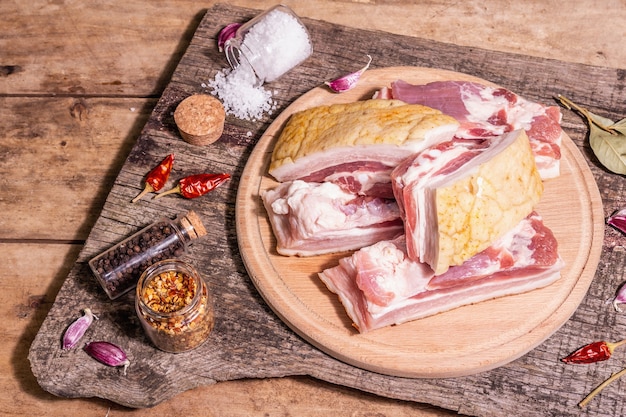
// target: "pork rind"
[[458, 197], [383, 131]]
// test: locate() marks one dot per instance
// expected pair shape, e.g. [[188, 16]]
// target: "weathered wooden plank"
[[56, 36], [23, 306], [131, 48], [249, 340], [62, 164], [35, 36]]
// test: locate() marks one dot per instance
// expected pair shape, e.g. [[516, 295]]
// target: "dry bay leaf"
[[606, 138], [609, 148], [619, 126]]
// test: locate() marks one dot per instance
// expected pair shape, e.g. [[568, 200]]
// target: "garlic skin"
[[620, 297], [77, 329], [108, 354], [618, 220], [347, 82], [227, 33]]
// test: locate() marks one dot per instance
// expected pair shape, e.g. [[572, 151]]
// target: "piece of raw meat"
[[356, 144], [458, 197], [490, 111], [317, 218], [380, 286]]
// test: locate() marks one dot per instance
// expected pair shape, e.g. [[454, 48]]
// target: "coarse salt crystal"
[[241, 98], [276, 44], [261, 51]]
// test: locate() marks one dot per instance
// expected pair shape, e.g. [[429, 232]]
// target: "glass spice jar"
[[119, 268], [269, 45], [174, 306]]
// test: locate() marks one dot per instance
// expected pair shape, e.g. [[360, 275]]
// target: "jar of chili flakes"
[[174, 306]]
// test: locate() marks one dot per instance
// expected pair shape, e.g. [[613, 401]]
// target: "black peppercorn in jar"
[[174, 306], [119, 268]]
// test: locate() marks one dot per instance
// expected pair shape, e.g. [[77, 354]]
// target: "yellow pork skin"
[[361, 123], [473, 212]]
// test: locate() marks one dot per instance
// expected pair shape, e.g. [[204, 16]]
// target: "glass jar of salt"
[[270, 44]]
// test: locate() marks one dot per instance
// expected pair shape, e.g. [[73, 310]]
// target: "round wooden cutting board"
[[462, 341]]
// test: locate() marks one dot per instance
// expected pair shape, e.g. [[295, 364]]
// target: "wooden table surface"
[[78, 80]]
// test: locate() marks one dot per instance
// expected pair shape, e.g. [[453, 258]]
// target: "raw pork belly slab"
[[317, 218], [490, 111], [356, 144], [380, 286], [459, 196]]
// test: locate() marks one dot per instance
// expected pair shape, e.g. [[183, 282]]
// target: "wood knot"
[[79, 109], [6, 70]]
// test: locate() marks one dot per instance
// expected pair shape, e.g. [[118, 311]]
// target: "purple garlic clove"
[[108, 354], [620, 297], [77, 329], [226, 34], [347, 82], [618, 220]]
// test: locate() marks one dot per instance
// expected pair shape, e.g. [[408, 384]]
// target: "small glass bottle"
[[174, 306], [119, 268], [270, 44]]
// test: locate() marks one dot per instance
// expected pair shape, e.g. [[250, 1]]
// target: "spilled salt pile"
[[273, 45], [241, 98]]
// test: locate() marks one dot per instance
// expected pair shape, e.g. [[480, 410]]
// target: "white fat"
[[396, 273], [366, 179], [437, 135], [325, 209], [314, 205], [479, 184], [482, 106], [518, 241], [522, 114], [548, 167]]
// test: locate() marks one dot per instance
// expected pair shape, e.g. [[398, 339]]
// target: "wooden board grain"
[[466, 340], [250, 340]]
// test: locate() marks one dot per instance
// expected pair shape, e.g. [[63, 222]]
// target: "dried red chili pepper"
[[156, 179], [593, 352], [196, 185]]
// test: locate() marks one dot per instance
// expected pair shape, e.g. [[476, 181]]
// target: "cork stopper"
[[200, 119], [193, 225]]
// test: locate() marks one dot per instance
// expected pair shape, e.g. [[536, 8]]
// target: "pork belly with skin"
[[380, 285], [459, 196], [356, 145], [316, 218], [485, 111]]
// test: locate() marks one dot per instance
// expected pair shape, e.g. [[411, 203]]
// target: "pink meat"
[[380, 286], [485, 111], [369, 178], [316, 218]]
